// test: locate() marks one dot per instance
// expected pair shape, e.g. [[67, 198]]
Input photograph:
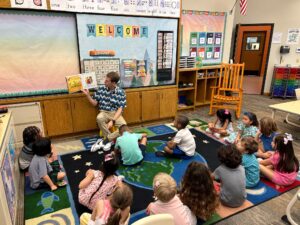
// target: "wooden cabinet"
[[150, 105], [57, 117], [132, 113], [168, 103], [83, 115], [199, 91]]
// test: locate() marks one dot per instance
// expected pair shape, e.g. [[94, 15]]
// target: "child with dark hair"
[[222, 125], [115, 210], [44, 169], [130, 146], [282, 167], [231, 176], [98, 184], [248, 146], [248, 127], [183, 144], [197, 191], [30, 135], [265, 135]]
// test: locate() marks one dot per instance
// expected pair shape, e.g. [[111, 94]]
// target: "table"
[[292, 107]]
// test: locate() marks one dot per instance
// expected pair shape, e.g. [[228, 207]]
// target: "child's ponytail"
[[115, 218]]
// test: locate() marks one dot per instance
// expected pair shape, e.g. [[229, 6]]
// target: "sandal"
[[61, 183]]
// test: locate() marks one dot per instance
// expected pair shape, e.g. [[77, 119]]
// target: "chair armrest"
[[214, 87]]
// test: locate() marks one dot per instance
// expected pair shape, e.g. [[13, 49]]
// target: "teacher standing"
[[111, 101]]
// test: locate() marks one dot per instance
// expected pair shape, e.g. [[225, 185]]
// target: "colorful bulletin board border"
[[203, 35], [151, 8]]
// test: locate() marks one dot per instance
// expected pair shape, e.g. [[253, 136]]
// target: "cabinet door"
[[150, 105], [84, 114], [168, 103], [57, 117], [132, 113]]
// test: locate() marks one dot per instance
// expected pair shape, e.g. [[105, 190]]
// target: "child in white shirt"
[[183, 144]]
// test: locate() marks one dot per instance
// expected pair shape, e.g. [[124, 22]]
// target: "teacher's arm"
[[89, 97]]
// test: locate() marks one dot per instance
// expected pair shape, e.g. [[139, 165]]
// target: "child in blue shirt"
[[131, 146], [248, 146], [265, 135]]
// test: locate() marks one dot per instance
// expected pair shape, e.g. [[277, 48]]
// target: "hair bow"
[[288, 138], [108, 157]]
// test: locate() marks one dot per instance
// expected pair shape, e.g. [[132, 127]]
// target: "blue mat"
[[161, 129], [89, 141]]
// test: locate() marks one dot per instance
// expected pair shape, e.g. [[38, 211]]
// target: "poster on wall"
[[8, 183], [293, 36], [162, 8], [208, 29], [133, 41]]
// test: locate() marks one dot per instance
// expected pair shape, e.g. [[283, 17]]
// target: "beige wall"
[[284, 14], [215, 6]]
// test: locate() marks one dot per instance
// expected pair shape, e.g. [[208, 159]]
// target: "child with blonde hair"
[[165, 189], [112, 211], [265, 135]]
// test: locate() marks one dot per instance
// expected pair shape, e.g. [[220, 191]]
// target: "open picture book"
[[78, 82]]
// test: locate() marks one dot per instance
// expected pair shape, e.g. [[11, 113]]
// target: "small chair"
[[288, 218], [158, 219], [229, 93]]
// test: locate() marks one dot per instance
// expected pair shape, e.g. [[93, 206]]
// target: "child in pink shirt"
[[165, 189], [282, 167], [98, 184]]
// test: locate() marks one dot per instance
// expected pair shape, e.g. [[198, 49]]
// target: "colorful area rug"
[[46, 207]]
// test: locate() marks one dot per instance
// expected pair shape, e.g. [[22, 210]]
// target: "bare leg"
[[267, 172], [168, 150]]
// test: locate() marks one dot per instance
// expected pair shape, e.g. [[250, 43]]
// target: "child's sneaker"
[[98, 145], [107, 147], [217, 135], [208, 131]]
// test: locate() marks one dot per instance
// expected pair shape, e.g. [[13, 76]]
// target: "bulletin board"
[[145, 59], [37, 51], [202, 35]]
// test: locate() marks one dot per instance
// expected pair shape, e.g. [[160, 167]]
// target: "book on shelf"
[[78, 82]]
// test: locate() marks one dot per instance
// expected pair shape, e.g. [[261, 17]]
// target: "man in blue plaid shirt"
[[111, 101]]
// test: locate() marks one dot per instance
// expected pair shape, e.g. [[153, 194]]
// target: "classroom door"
[[252, 46], [252, 52]]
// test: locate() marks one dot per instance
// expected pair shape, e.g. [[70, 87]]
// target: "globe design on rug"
[[143, 174]]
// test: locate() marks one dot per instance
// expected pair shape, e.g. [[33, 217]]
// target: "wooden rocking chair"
[[229, 93]]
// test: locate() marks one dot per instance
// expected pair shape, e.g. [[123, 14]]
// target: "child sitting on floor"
[[197, 191], [248, 146], [265, 135], [248, 127], [98, 184], [282, 167], [30, 135], [231, 176], [131, 146], [223, 124], [112, 211], [183, 144], [164, 187], [44, 169]]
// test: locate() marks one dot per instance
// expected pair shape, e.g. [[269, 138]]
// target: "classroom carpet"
[[46, 207], [77, 163]]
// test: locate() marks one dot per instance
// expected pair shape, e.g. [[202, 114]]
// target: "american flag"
[[243, 7]]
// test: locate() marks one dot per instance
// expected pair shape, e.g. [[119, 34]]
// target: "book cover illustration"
[[78, 82]]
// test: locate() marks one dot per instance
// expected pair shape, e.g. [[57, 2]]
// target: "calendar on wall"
[[101, 67]]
